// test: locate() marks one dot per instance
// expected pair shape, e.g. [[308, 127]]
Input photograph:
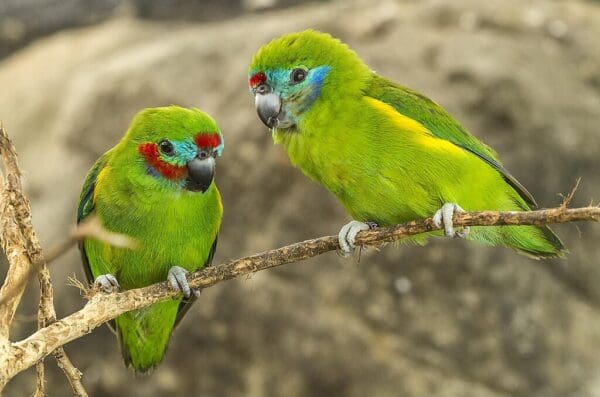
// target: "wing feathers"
[[410, 104]]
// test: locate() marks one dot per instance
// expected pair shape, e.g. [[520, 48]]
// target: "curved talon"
[[178, 280], [444, 216], [107, 283], [347, 235]]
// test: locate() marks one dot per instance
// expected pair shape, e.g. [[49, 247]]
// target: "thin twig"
[[103, 307], [569, 197], [40, 385]]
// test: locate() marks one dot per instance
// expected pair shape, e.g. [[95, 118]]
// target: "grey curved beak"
[[201, 172], [268, 107]]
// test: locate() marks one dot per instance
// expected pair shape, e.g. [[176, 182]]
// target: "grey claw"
[[178, 280], [107, 282], [443, 216], [347, 235]]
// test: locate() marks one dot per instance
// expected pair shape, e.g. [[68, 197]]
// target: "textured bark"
[[19, 238]]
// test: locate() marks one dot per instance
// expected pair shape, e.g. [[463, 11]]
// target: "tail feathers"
[[144, 335], [534, 241]]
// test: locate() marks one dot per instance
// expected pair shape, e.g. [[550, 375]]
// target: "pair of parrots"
[[388, 153]]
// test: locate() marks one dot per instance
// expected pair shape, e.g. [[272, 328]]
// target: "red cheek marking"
[[208, 140], [150, 152], [257, 79]]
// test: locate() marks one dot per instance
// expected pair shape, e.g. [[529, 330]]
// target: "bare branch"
[[92, 227], [72, 373], [40, 386], [11, 210], [21, 239], [104, 307]]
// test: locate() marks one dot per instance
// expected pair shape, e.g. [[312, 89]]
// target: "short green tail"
[[144, 334]]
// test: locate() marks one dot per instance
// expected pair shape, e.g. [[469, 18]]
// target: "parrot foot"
[[347, 235], [178, 280], [107, 283], [444, 216]]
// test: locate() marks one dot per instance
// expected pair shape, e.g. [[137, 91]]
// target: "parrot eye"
[[203, 154], [263, 89], [166, 147], [297, 76]]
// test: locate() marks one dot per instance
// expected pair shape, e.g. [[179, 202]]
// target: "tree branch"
[[20, 238], [10, 211], [103, 307]]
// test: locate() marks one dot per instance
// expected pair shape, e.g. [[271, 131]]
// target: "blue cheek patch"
[[184, 152], [317, 75]]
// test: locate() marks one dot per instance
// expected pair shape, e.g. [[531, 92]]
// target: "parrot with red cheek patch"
[[157, 187]]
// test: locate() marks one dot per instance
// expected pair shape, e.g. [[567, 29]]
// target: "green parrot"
[[156, 186], [388, 153]]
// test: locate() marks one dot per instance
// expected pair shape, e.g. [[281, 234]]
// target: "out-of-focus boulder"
[[450, 318]]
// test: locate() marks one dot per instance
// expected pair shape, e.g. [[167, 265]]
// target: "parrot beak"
[[268, 107], [201, 171]]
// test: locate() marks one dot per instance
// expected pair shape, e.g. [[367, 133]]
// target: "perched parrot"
[[388, 153], [156, 186]]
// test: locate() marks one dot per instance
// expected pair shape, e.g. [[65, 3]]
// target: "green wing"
[[86, 207], [441, 124]]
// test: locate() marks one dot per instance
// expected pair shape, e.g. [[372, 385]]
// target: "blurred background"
[[448, 319]]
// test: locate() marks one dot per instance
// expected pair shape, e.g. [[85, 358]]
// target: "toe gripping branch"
[[444, 215]]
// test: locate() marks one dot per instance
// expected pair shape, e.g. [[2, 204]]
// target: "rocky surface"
[[22, 21], [448, 319]]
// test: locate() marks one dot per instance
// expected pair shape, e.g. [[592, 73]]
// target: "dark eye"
[[263, 89], [166, 147], [203, 154], [298, 75]]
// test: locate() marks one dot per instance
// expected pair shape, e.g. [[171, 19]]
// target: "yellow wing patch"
[[101, 176], [421, 134]]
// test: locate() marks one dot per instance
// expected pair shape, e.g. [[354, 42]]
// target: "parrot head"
[[174, 147], [297, 72]]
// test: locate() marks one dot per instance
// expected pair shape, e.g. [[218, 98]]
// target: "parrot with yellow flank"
[[388, 153]]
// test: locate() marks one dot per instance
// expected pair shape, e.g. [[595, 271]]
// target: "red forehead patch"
[[257, 79], [204, 140]]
